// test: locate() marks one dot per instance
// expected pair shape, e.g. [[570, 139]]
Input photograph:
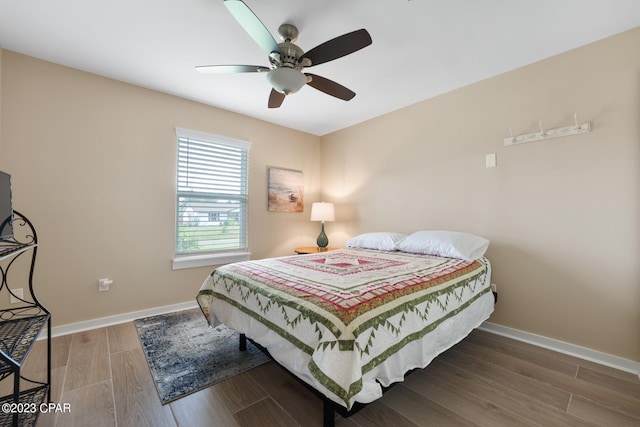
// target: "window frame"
[[202, 258]]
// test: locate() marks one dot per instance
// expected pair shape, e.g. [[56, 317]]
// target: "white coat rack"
[[550, 133]]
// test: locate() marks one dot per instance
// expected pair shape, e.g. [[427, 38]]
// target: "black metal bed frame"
[[330, 408]]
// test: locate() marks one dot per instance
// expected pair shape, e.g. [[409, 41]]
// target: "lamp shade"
[[286, 80], [321, 211]]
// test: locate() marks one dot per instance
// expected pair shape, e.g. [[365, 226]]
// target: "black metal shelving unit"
[[21, 323]]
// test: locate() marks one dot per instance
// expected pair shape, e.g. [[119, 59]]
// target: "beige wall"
[[562, 214], [93, 165]]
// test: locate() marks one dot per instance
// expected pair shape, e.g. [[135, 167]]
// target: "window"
[[212, 195]]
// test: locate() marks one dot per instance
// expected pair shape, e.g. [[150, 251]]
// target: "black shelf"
[[21, 323], [25, 414], [16, 339], [13, 248]]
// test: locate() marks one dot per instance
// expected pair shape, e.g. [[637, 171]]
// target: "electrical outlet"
[[104, 284], [19, 293], [494, 287]]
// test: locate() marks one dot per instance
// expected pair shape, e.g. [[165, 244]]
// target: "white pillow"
[[448, 244], [381, 241]]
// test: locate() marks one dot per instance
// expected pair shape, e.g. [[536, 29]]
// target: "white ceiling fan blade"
[[219, 69], [252, 25]]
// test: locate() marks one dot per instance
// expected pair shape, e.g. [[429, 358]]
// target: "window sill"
[[192, 261]]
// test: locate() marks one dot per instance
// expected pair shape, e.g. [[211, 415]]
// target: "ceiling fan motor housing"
[[288, 56], [289, 52]]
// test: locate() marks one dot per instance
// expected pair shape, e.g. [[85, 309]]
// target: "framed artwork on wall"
[[286, 190]]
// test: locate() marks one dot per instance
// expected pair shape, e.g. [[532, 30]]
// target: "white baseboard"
[[101, 322], [605, 359]]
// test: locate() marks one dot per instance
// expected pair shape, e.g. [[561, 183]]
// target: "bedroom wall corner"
[[562, 214]]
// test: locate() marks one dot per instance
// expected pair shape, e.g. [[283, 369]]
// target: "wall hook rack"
[[548, 134]]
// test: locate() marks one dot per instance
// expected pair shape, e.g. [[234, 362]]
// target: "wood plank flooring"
[[486, 380]]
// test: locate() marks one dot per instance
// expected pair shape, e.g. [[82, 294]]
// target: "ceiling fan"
[[287, 60]]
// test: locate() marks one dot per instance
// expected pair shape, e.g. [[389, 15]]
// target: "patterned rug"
[[186, 355]]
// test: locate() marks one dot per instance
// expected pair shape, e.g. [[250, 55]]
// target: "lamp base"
[[322, 239]]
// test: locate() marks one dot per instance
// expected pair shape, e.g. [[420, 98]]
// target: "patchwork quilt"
[[349, 310]]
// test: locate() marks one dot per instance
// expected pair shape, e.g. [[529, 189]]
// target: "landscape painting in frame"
[[286, 190]]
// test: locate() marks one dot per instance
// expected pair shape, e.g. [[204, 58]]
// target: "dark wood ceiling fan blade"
[[252, 25], [338, 47], [213, 69], [330, 87], [275, 99]]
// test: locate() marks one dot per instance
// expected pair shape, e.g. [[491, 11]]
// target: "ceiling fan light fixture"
[[286, 80]]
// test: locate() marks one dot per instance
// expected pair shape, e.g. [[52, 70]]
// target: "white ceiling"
[[421, 48]]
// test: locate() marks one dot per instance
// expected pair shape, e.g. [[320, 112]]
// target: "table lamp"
[[322, 212]]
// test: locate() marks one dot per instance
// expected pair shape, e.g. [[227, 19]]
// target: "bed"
[[353, 321]]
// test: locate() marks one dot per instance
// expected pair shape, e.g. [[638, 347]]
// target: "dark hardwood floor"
[[486, 380]]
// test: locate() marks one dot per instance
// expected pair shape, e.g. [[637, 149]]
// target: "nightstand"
[[311, 250]]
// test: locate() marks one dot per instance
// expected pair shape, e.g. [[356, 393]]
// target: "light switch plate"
[[490, 160]]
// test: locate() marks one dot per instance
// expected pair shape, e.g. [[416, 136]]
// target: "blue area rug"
[[186, 355]]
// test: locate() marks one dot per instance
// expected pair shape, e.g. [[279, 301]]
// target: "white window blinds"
[[212, 193]]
